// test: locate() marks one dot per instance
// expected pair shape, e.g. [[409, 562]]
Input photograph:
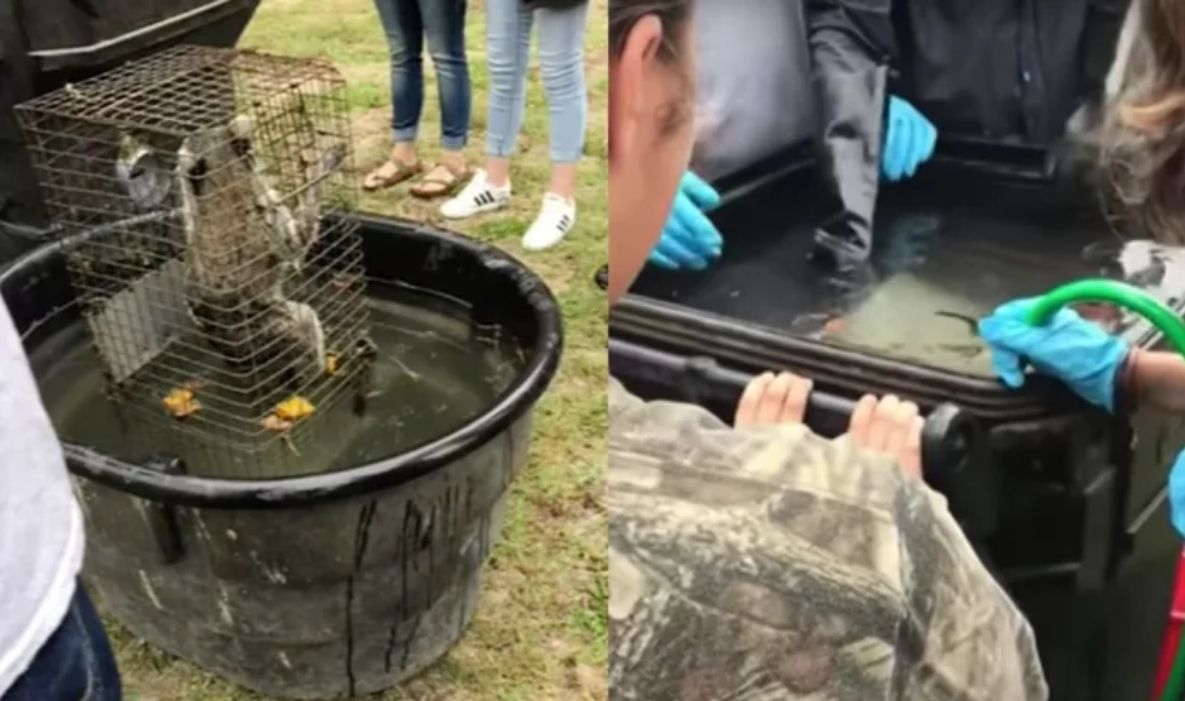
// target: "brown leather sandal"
[[442, 181], [390, 173]]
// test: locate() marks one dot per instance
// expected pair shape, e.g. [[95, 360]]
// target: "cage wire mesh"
[[202, 188]]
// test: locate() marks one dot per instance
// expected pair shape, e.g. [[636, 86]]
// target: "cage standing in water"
[[228, 308]]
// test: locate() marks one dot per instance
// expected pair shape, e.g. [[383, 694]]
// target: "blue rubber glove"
[[689, 239], [1177, 494], [1070, 348], [909, 141]]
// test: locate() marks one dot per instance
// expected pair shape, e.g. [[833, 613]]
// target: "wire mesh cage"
[[202, 189]]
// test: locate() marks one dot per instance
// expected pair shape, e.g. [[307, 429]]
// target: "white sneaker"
[[477, 197], [555, 220]]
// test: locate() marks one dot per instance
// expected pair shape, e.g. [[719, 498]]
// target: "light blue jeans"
[[561, 62]]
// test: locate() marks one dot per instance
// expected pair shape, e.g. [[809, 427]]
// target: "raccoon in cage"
[[244, 246]]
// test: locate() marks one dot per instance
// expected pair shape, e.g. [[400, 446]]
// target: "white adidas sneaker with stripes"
[[555, 220], [477, 197]]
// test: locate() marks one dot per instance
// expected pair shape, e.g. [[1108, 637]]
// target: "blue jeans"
[[75, 664], [561, 61], [406, 23]]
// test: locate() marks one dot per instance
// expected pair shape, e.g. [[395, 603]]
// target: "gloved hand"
[[689, 239], [909, 140], [1068, 347], [1177, 494]]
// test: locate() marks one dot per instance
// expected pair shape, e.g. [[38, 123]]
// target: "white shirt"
[[755, 94], [41, 534]]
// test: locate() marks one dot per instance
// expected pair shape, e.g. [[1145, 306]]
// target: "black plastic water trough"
[[327, 585]]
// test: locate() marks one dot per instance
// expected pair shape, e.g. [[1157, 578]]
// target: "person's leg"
[[404, 29], [444, 28], [561, 57], [508, 43], [105, 681], [75, 663], [509, 46]]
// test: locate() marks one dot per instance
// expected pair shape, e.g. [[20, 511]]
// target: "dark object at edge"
[[46, 44]]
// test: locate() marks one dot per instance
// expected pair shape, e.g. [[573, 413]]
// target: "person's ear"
[[632, 76]]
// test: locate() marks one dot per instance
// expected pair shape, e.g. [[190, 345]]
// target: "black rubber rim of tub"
[[189, 490]]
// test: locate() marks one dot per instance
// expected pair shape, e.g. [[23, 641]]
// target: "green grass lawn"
[[540, 632]]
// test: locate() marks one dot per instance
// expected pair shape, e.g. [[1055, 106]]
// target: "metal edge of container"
[[755, 348], [188, 490], [1010, 161]]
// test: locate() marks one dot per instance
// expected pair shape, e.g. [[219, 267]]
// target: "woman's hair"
[[624, 14], [1144, 144]]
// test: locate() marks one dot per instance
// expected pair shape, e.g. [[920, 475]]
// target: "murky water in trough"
[[435, 371]]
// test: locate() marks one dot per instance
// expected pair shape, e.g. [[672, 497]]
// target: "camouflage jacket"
[[772, 564]]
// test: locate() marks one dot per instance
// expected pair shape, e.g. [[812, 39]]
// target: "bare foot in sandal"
[[394, 171], [443, 179]]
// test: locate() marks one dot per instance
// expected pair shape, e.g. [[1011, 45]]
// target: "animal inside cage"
[[202, 191]]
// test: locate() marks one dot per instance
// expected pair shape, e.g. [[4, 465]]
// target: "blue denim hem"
[[501, 148], [405, 135], [565, 158], [454, 143]]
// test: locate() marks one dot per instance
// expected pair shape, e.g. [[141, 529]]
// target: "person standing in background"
[[1142, 152], [1010, 73], [561, 56], [407, 23], [52, 643], [778, 74]]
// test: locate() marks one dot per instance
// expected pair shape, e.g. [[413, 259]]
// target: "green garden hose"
[[1164, 319], [1152, 309], [1174, 688]]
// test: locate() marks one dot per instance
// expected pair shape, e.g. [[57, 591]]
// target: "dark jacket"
[[1004, 71]]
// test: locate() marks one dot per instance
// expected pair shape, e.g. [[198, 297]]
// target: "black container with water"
[[1065, 504], [350, 579]]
